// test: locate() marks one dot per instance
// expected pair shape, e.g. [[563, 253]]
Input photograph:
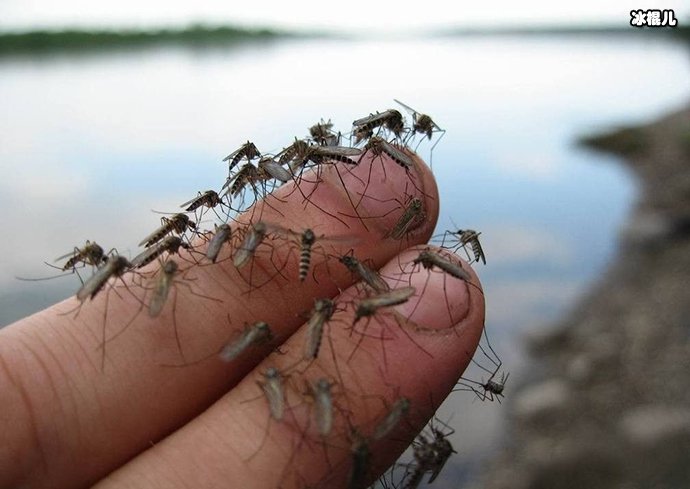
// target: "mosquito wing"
[[276, 170]]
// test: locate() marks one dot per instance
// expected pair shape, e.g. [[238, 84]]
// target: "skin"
[[74, 416]]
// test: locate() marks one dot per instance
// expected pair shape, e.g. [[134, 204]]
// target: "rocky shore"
[[608, 405]]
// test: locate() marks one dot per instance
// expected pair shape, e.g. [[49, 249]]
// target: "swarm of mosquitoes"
[[240, 241]]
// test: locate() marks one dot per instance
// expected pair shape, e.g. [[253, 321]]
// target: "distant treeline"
[[77, 39], [48, 41], [682, 31]]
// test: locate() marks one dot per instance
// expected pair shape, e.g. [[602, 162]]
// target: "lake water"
[[90, 143]]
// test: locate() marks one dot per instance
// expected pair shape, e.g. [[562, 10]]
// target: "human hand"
[[69, 421]]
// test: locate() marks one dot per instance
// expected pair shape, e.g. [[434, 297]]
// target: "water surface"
[[90, 144]]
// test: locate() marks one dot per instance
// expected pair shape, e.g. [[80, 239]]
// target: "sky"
[[350, 15]]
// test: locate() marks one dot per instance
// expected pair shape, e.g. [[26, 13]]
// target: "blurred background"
[[110, 110]]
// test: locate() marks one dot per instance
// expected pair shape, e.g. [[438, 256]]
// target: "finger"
[[66, 408], [226, 440]]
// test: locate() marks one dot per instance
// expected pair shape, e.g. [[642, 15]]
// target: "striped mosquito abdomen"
[[320, 154], [248, 173], [171, 244], [391, 119], [379, 146], [209, 199], [307, 241], [471, 237], [295, 152], [90, 254], [178, 223], [247, 150]]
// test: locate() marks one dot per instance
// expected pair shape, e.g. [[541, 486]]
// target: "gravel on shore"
[[608, 405]]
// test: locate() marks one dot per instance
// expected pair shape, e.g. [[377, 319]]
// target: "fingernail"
[[385, 197], [442, 303]]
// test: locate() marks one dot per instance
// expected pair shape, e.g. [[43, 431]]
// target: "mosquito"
[[430, 260], [178, 223], [423, 124], [116, 266], [424, 455], [161, 288], [369, 306], [90, 254], [159, 296], [471, 237], [222, 235], [491, 389], [209, 199], [442, 449], [254, 235], [308, 156], [379, 146], [320, 392], [321, 314], [412, 217], [273, 389], [170, 244], [399, 410], [270, 168], [307, 239], [296, 151], [247, 174], [361, 462], [256, 334], [163, 281], [369, 276], [247, 150], [390, 119], [320, 155], [322, 133]]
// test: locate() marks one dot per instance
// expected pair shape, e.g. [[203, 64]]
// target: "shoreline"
[[43, 41], [608, 400]]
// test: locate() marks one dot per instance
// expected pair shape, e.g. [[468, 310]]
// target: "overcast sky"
[[346, 15]]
